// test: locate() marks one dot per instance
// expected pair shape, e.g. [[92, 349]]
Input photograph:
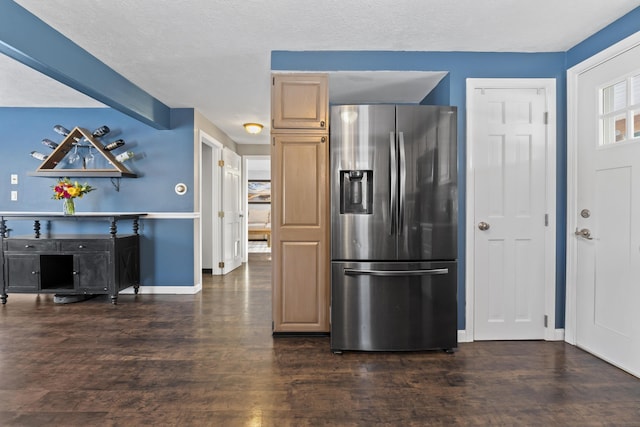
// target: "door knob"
[[584, 233], [483, 226]]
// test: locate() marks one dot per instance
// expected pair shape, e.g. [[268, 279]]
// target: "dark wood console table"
[[70, 264]]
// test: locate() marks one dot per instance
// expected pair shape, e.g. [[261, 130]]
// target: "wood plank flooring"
[[210, 360]]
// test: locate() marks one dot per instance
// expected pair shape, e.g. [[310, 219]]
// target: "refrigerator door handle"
[[394, 181], [403, 183], [430, 272]]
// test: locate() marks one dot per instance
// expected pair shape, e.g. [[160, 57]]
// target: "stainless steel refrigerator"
[[394, 216]]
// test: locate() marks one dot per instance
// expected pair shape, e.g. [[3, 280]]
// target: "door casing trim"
[[549, 85]]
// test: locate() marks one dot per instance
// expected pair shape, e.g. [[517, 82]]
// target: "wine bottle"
[[101, 131], [38, 155], [113, 145], [64, 131], [61, 130], [123, 157], [49, 143]]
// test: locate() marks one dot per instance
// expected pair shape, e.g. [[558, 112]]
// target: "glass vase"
[[68, 207]]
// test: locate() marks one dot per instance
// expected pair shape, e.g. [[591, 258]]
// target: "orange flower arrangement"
[[67, 191]]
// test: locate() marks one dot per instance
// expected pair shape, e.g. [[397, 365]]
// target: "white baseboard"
[[462, 336], [556, 335], [171, 290], [550, 335]]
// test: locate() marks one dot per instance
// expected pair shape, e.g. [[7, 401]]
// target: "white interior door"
[[509, 217], [208, 201], [232, 211], [607, 211]]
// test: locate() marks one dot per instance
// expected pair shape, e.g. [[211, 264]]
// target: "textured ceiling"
[[215, 55]]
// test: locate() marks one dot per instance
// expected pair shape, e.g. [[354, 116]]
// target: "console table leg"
[[3, 297], [114, 299], [136, 289]]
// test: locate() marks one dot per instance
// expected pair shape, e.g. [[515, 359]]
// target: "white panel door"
[[508, 146], [608, 211], [232, 211]]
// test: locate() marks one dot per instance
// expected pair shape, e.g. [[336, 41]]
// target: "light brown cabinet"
[[299, 101], [300, 222]]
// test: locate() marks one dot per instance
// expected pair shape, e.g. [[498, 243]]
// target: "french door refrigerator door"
[[427, 195], [393, 306], [363, 153]]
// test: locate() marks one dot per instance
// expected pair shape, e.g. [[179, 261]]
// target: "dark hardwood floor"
[[210, 360]]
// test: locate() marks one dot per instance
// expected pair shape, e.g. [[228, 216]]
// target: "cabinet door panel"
[[300, 184], [300, 228], [301, 290], [299, 101], [93, 271], [22, 272]]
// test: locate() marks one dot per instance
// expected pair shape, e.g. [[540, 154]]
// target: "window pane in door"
[[621, 127], [636, 124], [614, 129], [614, 97], [635, 87]]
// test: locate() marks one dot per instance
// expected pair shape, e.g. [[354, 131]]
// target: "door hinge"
[[221, 264], [220, 214], [221, 163], [546, 220], [546, 321], [546, 117]]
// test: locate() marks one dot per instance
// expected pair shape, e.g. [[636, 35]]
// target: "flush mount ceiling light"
[[253, 128]]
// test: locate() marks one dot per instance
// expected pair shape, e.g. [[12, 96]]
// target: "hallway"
[[210, 360]]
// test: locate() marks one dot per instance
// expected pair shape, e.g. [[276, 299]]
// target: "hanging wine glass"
[[74, 157], [89, 158]]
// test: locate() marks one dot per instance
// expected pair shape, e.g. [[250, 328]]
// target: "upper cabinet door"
[[299, 101]]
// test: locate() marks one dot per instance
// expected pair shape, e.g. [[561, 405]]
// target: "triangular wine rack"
[[47, 168]]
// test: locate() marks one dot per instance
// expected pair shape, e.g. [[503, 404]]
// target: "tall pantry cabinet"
[[300, 203]]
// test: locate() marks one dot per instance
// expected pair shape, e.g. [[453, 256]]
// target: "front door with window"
[[607, 211]]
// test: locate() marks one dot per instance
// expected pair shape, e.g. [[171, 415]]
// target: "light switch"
[[14, 196], [14, 178]]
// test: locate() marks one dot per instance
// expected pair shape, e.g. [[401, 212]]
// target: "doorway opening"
[[257, 185]]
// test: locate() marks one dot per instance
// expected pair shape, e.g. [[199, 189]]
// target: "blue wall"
[[163, 158]]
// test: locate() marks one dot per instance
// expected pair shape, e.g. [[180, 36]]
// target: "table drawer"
[[27, 245], [85, 245]]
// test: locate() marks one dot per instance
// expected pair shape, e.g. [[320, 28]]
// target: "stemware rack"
[[81, 138]]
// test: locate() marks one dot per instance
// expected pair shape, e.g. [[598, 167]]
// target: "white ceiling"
[[214, 55]]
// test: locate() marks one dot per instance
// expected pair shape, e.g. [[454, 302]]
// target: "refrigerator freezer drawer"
[[393, 306]]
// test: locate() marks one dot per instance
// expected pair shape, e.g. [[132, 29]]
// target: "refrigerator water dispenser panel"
[[356, 192]]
